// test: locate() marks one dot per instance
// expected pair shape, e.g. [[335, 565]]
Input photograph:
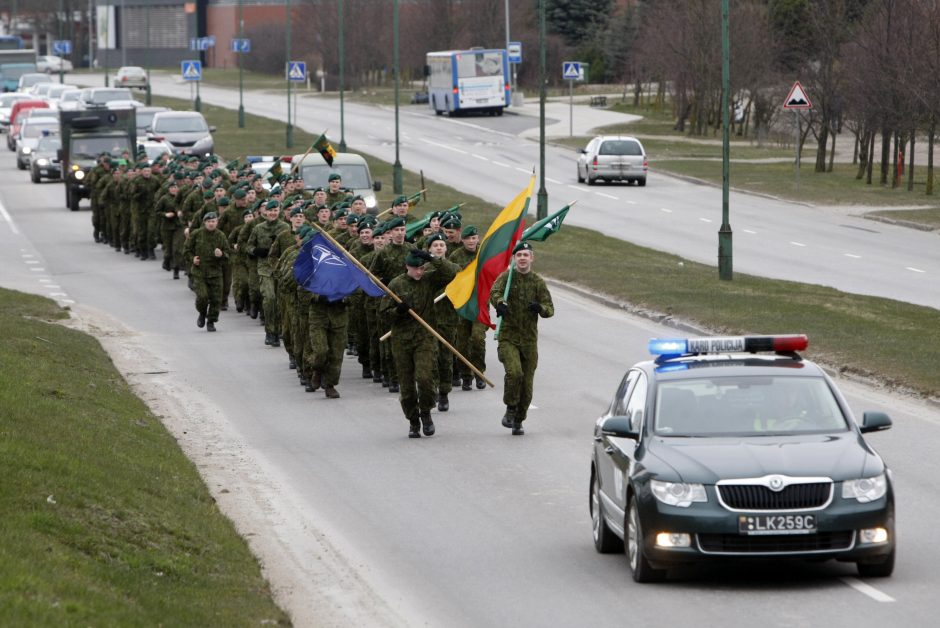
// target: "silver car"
[[34, 128], [101, 96], [186, 131], [613, 158], [131, 76]]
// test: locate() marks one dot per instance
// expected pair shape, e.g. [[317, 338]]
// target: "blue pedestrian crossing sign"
[[191, 70], [241, 45], [571, 70], [296, 71], [62, 47]]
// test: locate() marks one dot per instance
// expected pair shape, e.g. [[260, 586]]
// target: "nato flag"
[[322, 269]]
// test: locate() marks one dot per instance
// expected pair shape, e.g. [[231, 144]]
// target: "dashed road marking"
[[524, 170], [705, 219], [914, 270], [663, 209], [796, 243], [550, 180], [610, 196], [866, 589], [37, 270], [749, 231], [501, 164], [9, 220], [445, 146], [853, 255], [480, 157], [575, 187]]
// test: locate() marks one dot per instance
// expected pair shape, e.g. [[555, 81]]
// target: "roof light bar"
[[727, 344]]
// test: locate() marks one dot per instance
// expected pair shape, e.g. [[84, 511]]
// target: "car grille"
[[184, 144], [792, 497], [775, 544]]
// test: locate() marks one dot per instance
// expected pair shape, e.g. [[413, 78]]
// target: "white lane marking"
[[524, 170], [27, 256], [38, 270], [631, 202], [749, 231], [852, 255], [9, 219], [438, 144], [33, 261], [705, 219], [607, 196], [867, 589], [43, 280], [501, 164], [575, 187], [550, 180], [532, 406], [481, 157], [51, 286], [663, 209], [67, 301], [796, 243], [57, 294], [914, 270]]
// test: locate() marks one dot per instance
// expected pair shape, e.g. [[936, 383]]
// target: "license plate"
[[481, 101], [756, 525], [44, 172]]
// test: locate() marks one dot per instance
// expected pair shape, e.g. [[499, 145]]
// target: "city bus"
[[461, 81], [11, 42]]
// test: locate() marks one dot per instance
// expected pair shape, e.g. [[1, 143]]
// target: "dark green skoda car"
[[715, 452]]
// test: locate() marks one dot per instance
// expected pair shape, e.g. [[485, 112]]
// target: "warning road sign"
[[571, 70], [797, 99], [296, 71], [191, 70]]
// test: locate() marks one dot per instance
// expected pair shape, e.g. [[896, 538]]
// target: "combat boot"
[[510, 417], [224, 306], [201, 321], [517, 428], [275, 340], [267, 339], [253, 312], [143, 256], [414, 429], [239, 306], [176, 273], [349, 349], [315, 381], [210, 326], [427, 423], [152, 254], [393, 387], [480, 383], [385, 382], [455, 380], [443, 405], [366, 372], [377, 378], [291, 363], [331, 392], [97, 237], [467, 383]]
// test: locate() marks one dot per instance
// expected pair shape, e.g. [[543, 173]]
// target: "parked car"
[[53, 63], [186, 131], [131, 76], [31, 78], [45, 162], [18, 114], [100, 96], [6, 105], [613, 158], [33, 128], [145, 118]]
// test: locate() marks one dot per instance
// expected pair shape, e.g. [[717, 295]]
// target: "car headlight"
[[27, 150], [42, 161], [866, 489], [679, 494], [370, 201], [79, 175]]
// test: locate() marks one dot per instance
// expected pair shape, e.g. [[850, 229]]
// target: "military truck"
[[86, 134]]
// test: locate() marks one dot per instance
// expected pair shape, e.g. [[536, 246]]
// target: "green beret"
[[207, 194], [377, 230], [339, 213], [352, 219], [397, 221], [434, 237], [450, 222], [232, 165], [257, 204], [334, 176], [207, 184], [398, 200], [357, 197], [434, 215], [179, 176], [173, 184], [210, 216], [413, 260], [304, 230], [106, 160], [215, 173], [222, 202], [240, 194], [296, 212], [319, 189], [468, 231], [524, 245], [272, 204], [247, 211]]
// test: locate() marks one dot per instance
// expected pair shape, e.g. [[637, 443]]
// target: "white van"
[[352, 167]]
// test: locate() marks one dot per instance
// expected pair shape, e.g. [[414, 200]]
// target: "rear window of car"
[[620, 147]]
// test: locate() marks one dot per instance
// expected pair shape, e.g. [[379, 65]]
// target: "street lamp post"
[[725, 258], [342, 79], [61, 61], [290, 128], [397, 182], [241, 36], [148, 55], [543, 193]]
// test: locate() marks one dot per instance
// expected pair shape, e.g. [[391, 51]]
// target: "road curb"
[[900, 222]]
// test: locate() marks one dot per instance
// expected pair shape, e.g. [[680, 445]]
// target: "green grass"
[[104, 520], [854, 334]]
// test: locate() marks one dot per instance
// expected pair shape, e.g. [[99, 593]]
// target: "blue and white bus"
[[461, 81], [11, 42]]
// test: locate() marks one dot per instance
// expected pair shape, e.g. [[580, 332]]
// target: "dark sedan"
[[713, 452]]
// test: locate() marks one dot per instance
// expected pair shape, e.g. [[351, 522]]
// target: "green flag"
[[326, 150], [415, 228], [414, 199], [275, 171], [540, 230]]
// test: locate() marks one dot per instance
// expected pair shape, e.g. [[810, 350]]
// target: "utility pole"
[[123, 37], [59, 18], [241, 36], [543, 193], [148, 98], [397, 182], [342, 79], [725, 258], [290, 128]]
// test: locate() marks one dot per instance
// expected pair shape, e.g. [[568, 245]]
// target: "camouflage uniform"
[[470, 336], [259, 244], [207, 276], [171, 232], [386, 265]]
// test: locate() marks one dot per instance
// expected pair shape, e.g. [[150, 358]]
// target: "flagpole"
[[397, 299], [499, 323], [296, 164], [380, 214]]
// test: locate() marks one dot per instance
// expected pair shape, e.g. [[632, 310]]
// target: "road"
[[490, 157], [472, 527]]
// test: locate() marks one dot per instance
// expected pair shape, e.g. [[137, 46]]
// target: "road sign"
[[296, 71], [191, 70], [571, 70], [193, 43], [210, 41], [62, 47], [515, 52], [797, 98], [241, 45]]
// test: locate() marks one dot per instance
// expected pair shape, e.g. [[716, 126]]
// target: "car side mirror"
[[583, 151], [619, 426], [377, 186], [211, 129], [875, 422]]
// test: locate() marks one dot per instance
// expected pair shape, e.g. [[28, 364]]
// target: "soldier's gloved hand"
[[402, 307], [427, 257], [535, 308], [502, 309]]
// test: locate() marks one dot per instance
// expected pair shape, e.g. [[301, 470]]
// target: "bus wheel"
[[499, 111]]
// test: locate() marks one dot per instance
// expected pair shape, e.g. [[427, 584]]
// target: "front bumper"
[[715, 535]]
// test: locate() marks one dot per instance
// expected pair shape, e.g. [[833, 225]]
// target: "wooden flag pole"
[[296, 164], [397, 299]]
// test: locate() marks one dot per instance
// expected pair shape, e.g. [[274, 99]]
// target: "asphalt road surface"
[[491, 157], [472, 527]]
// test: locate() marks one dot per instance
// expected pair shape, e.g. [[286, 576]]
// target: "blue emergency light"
[[727, 344]]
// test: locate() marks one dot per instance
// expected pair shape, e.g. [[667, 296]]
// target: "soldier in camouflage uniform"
[[371, 310], [387, 265], [171, 229], [528, 300], [335, 194], [208, 247], [415, 348], [470, 335], [259, 244], [98, 215], [240, 265], [143, 191], [445, 323]]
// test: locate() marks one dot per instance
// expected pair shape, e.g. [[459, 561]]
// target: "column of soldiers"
[[231, 236]]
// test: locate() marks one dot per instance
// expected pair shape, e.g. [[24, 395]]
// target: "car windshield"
[[7, 100], [49, 144], [746, 406], [188, 124], [71, 96], [91, 147], [34, 128], [355, 176], [144, 118], [620, 147], [102, 96]]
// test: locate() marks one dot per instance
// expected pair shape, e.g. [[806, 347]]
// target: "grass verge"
[[105, 522], [852, 333]]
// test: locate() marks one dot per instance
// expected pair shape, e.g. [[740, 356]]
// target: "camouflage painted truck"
[[86, 134]]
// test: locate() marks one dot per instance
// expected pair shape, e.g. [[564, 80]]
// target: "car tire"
[[73, 200], [882, 569], [20, 165], [633, 547], [605, 541], [580, 178], [34, 176], [641, 182], [590, 180]]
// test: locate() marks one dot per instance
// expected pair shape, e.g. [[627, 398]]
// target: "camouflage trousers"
[[327, 325], [471, 342], [415, 365], [208, 287], [519, 361]]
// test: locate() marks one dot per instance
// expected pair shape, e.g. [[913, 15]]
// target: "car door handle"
[[609, 450]]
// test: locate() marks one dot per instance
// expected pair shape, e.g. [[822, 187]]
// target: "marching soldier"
[[470, 335], [208, 247], [259, 245]]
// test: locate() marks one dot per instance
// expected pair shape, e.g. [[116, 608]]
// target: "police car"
[[737, 448]]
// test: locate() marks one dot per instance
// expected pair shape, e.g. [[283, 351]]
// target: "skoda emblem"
[[776, 483]]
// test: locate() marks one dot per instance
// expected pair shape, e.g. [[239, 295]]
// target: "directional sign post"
[[192, 71], [571, 71], [795, 101]]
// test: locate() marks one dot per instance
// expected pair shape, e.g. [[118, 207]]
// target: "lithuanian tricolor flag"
[[470, 289]]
